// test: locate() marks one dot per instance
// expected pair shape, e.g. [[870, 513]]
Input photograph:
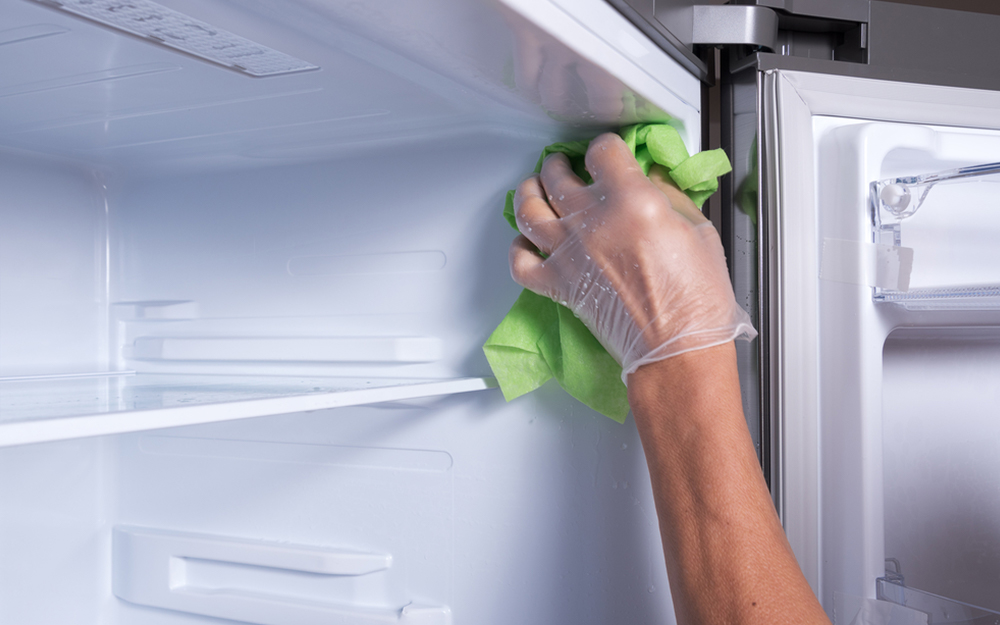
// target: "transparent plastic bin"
[[938, 609], [951, 221]]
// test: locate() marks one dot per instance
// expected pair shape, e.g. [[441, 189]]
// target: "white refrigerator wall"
[[53, 267], [54, 539], [533, 512], [941, 455], [375, 244]]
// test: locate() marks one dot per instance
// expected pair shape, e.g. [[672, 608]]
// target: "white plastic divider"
[[150, 567], [58, 408]]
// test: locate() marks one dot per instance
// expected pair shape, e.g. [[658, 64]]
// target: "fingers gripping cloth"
[[619, 270]]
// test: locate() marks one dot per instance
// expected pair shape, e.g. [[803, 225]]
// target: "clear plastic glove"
[[631, 256]]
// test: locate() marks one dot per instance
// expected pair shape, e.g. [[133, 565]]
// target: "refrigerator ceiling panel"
[[75, 88]]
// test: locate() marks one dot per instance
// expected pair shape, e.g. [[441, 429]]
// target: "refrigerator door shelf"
[[50, 408], [949, 222]]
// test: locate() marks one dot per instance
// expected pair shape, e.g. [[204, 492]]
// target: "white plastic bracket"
[[149, 567]]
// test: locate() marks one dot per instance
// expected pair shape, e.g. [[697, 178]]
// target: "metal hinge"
[[729, 24], [830, 29]]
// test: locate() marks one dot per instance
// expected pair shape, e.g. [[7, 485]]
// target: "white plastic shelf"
[[34, 410]]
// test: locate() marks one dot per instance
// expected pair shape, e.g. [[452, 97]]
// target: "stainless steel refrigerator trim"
[[848, 10], [738, 136], [897, 55]]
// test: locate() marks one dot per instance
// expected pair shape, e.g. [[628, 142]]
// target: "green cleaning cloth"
[[746, 196], [540, 339]]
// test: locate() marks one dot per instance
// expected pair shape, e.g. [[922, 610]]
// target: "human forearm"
[[639, 264], [727, 556]]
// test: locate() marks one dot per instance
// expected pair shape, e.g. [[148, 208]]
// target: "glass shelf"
[[48, 408], [951, 221], [938, 609]]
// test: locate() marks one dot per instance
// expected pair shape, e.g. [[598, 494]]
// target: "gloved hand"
[[631, 256]]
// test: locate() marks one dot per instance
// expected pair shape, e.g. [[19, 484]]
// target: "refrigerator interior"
[[910, 396], [941, 381], [319, 254]]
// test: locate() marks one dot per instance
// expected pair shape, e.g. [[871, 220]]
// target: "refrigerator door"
[[844, 366]]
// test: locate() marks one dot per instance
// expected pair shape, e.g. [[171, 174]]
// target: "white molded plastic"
[[25, 33], [592, 33], [391, 72], [293, 349], [152, 567], [172, 310], [941, 451]]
